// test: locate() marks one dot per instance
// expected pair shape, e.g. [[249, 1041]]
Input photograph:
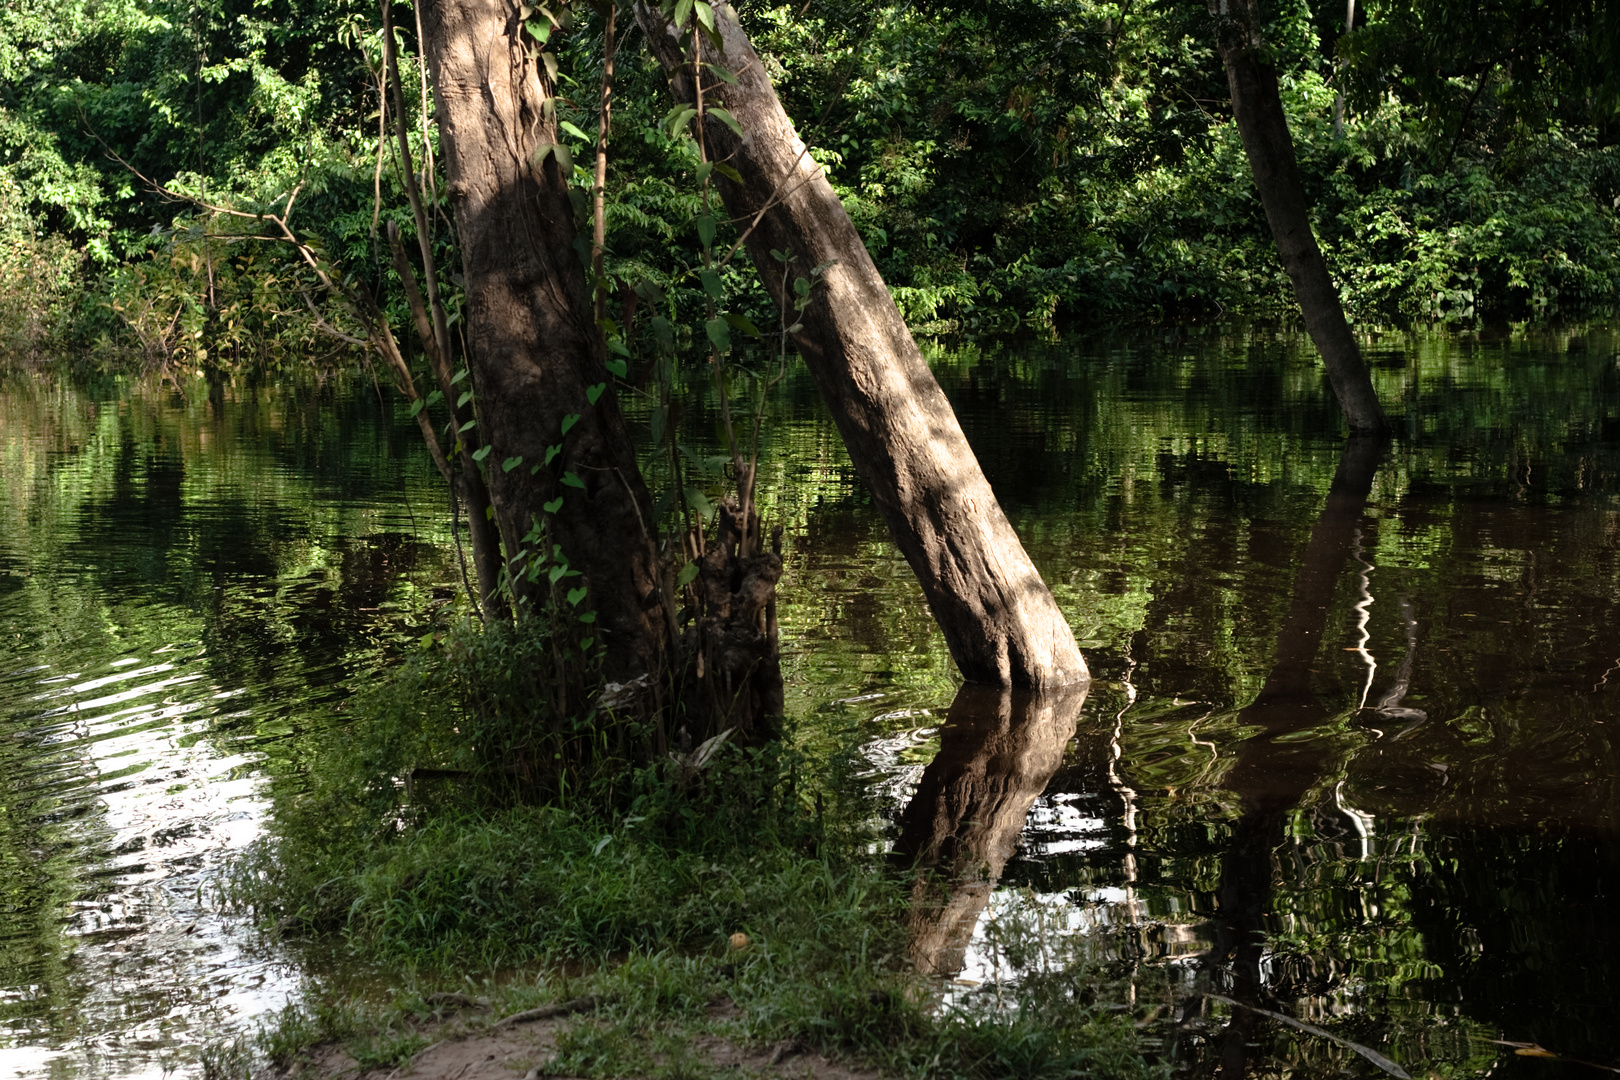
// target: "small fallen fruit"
[[739, 940]]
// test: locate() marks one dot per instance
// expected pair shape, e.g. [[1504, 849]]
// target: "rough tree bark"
[[534, 352], [1257, 107], [999, 619], [467, 485], [997, 750]]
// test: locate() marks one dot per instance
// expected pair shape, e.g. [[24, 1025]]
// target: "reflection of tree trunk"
[[1272, 776], [998, 749], [999, 619], [1257, 107], [533, 350]]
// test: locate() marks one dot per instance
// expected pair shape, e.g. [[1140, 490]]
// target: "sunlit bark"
[[999, 619]]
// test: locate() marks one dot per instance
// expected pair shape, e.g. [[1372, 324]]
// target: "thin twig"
[[546, 1012]]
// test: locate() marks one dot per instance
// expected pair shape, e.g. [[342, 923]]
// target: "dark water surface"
[[1348, 758]]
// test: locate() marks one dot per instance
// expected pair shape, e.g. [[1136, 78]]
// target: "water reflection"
[[1351, 752], [1396, 819], [187, 588], [998, 748], [1274, 770]]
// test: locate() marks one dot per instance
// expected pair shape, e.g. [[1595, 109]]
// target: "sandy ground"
[[522, 1050]]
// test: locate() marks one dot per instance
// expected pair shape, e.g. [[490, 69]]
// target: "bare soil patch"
[[468, 1047]]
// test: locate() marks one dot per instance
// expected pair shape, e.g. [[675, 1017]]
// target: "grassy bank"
[[656, 891]]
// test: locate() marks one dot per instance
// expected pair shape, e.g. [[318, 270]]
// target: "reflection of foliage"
[[1166, 489], [1169, 496]]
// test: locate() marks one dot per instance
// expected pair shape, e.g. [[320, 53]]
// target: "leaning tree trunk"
[[535, 356], [1258, 109], [999, 619]]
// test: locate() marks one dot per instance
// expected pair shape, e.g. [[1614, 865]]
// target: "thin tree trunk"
[[534, 353], [1340, 68], [1257, 106], [1000, 620], [599, 189]]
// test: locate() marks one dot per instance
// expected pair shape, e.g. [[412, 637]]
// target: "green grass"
[[630, 890]]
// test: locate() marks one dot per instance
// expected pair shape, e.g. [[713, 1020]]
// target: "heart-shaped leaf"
[[569, 421], [554, 505], [592, 393], [481, 453], [576, 595], [617, 367], [511, 463], [741, 323], [699, 502], [572, 480]]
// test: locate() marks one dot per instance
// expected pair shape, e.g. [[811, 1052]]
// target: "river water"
[[1348, 758]]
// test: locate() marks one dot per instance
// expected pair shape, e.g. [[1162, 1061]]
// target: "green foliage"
[[36, 273], [1048, 162], [474, 788], [1039, 163]]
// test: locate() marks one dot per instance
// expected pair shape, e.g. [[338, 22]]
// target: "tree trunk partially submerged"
[[533, 350], [998, 749], [1257, 107], [999, 619]]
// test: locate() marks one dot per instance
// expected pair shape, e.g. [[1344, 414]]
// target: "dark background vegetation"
[[1026, 163]]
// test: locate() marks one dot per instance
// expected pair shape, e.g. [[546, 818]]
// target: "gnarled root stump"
[[730, 672]]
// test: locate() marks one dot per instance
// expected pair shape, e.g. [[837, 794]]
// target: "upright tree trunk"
[[1258, 109], [534, 352], [999, 619]]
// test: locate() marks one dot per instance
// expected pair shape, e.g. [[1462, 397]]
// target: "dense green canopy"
[[1034, 162]]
